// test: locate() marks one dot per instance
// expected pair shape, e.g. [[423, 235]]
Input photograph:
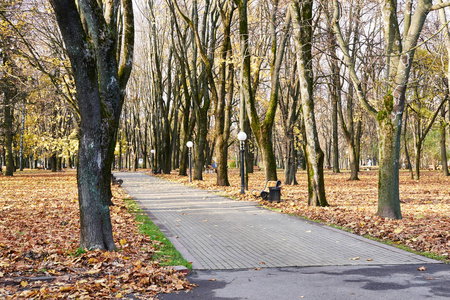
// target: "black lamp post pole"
[[242, 168], [152, 152], [190, 165]]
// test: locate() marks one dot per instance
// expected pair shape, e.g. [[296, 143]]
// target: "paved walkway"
[[217, 233]]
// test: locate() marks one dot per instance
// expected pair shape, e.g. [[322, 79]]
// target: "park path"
[[217, 233]]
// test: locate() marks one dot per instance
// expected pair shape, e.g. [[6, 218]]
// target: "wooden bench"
[[116, 181], [265, 192]]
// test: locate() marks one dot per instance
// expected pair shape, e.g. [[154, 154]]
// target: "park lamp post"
[[189, 145], [242, 136], [153, 158]]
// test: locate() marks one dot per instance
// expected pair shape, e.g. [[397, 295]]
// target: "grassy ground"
[[165, 252]]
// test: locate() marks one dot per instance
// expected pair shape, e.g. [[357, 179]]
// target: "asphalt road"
[[396, 282]]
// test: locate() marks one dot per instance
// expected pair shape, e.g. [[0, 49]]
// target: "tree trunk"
[[405, 145], [262, 131], [8, 119], [358, 144], [223, 135], [418, 150], [223, 106], [442, 129], [202, 131], [53, 162], [354, 161], [334, 114], [314, 154], [100, 83], [291, 161], [388, 176]]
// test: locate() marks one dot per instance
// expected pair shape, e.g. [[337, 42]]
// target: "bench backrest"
[[272, 183]]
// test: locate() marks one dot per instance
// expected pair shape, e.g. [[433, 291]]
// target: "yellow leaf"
[[119, 295], [67, 288], [123, 242], [23, 283], [179, 286], [92, 260], [398, 230]]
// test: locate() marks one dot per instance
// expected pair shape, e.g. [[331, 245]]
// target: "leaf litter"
[[39, 239]]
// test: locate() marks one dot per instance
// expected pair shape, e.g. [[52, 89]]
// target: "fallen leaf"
[[23, 283], [355, 258], [398, 230], [67, 288], [212, 279], [422, 268]]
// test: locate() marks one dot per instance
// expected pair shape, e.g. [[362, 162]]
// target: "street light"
[[153, 157], [242, 136], [189, 145]]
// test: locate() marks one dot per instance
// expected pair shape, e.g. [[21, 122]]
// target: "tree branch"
[[439, 6]]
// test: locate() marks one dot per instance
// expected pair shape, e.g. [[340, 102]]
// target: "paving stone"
[[220, 233]]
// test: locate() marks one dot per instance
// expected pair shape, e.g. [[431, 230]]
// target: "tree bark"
[[303, 30], [290, 111], [405, 145], [8, 127], [262, 131], [442, 129], [389, 149], [100, 83]]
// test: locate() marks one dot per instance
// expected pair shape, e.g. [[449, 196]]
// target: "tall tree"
[[446, 33], [12, 75], [426, 102], [222, 111], [262, 130], [290, 111], [101, 59], [302, 11], [399, 51]]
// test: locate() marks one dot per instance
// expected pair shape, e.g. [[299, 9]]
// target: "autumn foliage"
[[425, 226], [39, 238]]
